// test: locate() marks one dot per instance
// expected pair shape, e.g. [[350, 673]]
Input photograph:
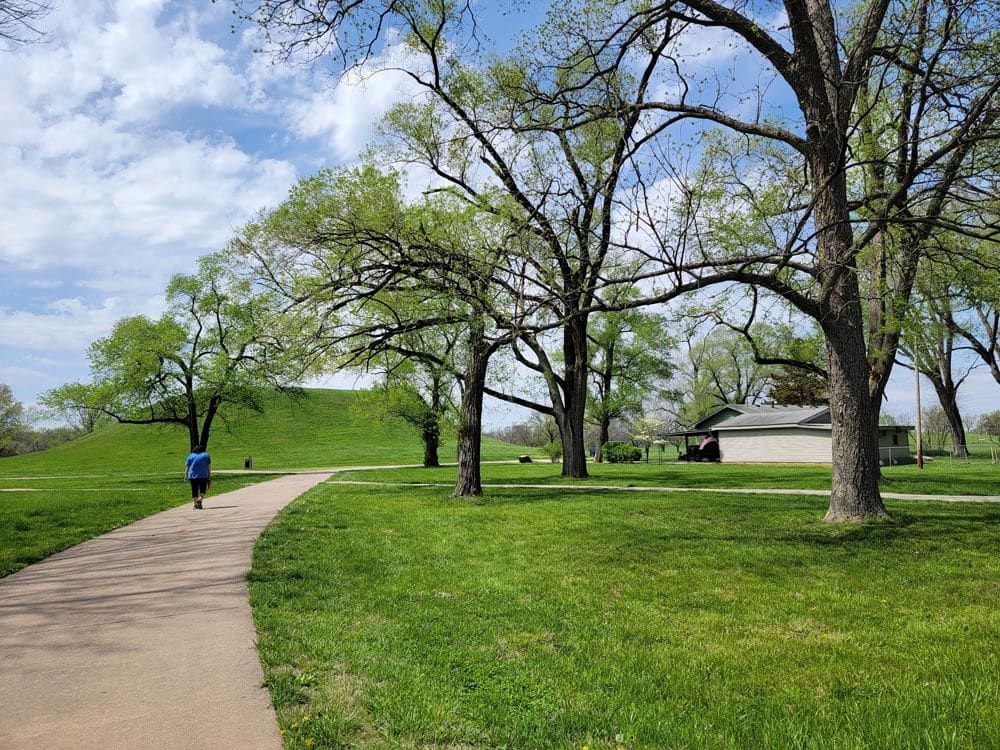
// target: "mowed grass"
[[937, 478], [540, 618], [43, 516], [323, 428]]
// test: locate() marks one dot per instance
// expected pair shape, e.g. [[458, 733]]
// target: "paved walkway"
[[142, 638]]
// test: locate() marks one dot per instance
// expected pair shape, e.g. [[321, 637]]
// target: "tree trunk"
[[468, 483], [574, 399], [854, 493], [947, 395], [604, 386], [206, 427], [431, 436], [192, 425], [602, 439], [574, 463]]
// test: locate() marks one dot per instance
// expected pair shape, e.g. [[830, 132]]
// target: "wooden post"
[[920, 445]]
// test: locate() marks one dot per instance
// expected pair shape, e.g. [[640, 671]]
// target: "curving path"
[[143, 638]]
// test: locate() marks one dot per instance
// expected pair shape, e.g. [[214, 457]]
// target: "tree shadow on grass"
[[903, 526]]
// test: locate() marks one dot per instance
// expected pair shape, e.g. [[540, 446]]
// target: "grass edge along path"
[[401, 617], [144, 636]]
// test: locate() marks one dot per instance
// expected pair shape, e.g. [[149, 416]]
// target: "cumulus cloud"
[[122, 160], [345, 116], [89, 169], [133, 141], [62, 327]]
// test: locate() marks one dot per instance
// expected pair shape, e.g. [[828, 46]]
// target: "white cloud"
[[163, 189], [131, 142], [67, 325], [345, 116], [88, 169]]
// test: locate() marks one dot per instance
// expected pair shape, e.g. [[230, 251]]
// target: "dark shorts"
[[198, 486]]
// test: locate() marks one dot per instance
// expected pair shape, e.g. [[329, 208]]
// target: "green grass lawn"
[[403, 618], [43, 516], [324, 428], [937, 478]]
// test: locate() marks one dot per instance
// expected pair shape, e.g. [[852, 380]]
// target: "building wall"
[[784, 445], [891, 452], [886, 434]]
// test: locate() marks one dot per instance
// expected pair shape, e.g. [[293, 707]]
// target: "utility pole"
[[920, 445]]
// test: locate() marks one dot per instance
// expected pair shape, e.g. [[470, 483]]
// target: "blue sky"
[[134, 139]]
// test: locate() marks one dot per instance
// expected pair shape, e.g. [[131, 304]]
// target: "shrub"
[[553, 450], [618, 453]]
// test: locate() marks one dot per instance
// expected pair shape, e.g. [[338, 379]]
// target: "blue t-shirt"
[[197, 465]]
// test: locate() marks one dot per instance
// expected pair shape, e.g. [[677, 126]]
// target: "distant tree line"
[[19, 436]]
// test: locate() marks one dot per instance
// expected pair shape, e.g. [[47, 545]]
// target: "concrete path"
[[142, 638]]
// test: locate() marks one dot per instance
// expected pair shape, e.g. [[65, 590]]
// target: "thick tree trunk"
[[574, 464], [574, 399], [192, 425], [947, 395], [854, 493], [468, 483]]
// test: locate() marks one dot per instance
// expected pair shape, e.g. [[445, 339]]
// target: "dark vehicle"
[[707, 450]]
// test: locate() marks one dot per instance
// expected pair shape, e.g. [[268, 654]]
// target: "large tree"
[[930, 69], [214, 347], [720, 369], [580, 140], [417, 378], [372, 274], [506, 137], [974, 310], [931, 344]]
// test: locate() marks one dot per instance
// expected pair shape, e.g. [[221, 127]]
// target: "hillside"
[[322, 428]]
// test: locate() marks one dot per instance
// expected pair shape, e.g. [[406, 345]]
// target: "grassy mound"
[[322, 428]]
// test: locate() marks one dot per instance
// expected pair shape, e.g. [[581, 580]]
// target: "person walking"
[[198, 471]]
